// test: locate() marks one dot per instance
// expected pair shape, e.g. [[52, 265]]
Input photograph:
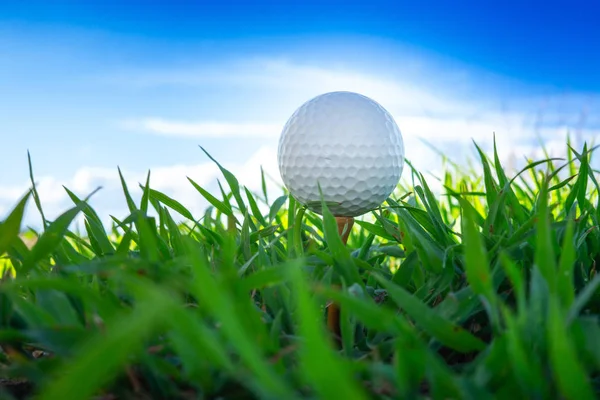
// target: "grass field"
[[487, 290]]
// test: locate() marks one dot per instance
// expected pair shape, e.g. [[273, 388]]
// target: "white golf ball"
[[346, 143]]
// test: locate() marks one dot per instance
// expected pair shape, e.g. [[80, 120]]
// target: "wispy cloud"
[[164, 127], [279, 83], [442, 106]]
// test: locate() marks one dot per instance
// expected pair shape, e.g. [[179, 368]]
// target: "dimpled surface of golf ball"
[[346, 143]]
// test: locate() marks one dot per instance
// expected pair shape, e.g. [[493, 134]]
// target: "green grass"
[[486, 290]]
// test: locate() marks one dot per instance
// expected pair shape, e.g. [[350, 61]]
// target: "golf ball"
[[349, 145]]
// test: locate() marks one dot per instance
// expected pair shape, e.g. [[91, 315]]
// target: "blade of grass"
[[36, 196], [11, 226], [96, 361], [444, 331], [130, 204], [321, 367], [544, 250], [477, 266], [170, 202], [51, 238], [231, 181], [568, 371], [219, 205], [221, 306]]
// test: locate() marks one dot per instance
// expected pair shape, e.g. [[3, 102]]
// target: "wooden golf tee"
[[344, 225]]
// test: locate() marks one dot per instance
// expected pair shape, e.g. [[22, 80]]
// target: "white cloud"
[[291, 82], [164, 127], [451, 135], [435, 107], [406, 95], [13, 192]]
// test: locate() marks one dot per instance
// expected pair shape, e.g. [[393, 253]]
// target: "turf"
[[484, 289]]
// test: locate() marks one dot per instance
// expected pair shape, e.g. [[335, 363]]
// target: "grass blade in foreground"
[[477, 267], [10, 227], [221, 306], [568, 370], [446, 332], [51, 237], [99, 359], [322, 369]]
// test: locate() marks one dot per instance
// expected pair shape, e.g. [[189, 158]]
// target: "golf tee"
[[344, 225]]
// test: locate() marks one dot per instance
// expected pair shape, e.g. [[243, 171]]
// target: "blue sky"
[[87, 86]]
